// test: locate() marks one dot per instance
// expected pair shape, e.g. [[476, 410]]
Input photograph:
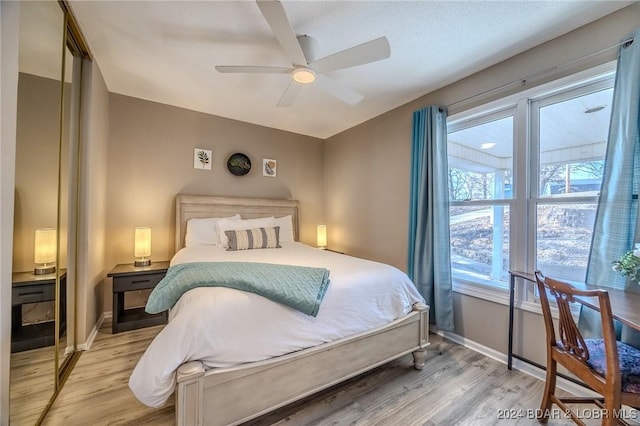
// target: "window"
[[524, 177], [480, 185], [569, 131]]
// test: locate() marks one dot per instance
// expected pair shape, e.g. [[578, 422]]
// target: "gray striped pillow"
[[257, 238]]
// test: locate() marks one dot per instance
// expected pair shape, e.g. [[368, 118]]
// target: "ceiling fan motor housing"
[[309, 46]]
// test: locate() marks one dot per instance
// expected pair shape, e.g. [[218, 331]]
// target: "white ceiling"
[[165, 51]]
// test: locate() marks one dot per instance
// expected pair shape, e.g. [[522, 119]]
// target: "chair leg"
[[549, 390], [611, 412]]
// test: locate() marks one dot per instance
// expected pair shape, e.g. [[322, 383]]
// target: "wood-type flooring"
[[457, 386]]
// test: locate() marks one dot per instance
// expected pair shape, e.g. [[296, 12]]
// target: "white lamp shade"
[[45, 246], [142, 242], [322, 235]]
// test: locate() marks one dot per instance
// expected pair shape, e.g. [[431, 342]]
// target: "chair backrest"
[[568, 338]]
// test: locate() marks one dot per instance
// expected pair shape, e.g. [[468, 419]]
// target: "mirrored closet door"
[[47, 143]]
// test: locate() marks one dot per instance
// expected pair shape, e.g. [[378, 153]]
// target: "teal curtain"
[[429, 260], [616, 226]]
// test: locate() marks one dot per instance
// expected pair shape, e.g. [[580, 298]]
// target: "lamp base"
[[43, 270], [144, 262]]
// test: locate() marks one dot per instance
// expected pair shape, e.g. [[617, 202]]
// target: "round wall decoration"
[[239, 164]]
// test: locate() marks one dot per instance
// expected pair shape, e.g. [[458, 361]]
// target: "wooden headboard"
[[199, 206]]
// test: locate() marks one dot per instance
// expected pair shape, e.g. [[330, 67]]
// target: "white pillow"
[[286, 228], [241, 224], [204, 231]]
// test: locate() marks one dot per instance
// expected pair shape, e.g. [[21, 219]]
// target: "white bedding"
[[223, 327]]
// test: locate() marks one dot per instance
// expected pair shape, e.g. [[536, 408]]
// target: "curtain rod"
[[522, 81]]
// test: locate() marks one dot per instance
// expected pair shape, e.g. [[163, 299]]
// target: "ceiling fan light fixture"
[[304, 75]]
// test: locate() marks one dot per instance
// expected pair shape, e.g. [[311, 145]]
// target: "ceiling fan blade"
[[371, 51], [334, 88], [252, 69], [290, 93], [276, 18]]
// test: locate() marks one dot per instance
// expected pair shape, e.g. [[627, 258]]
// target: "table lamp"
[[321, 236], [142, 250], [44, 253]]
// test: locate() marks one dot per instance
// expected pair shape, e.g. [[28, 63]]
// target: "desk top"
[[625, 304]]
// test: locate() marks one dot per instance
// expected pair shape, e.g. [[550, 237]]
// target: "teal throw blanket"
[[299, 287]]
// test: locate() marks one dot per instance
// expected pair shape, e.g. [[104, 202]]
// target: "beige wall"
[[367, 189], [92, 221], [150, 160], [367, 167]]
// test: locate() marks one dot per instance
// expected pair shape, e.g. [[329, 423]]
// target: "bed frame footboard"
[[190, 380], [229, 396]]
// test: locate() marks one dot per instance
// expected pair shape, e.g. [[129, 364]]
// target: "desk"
[[625, 305]]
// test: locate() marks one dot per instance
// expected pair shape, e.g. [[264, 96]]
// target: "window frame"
[[525, 175]]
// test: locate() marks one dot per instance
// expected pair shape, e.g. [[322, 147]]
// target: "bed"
[[234, 386]]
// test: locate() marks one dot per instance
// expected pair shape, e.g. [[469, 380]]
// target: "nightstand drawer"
[[137, 282], [21, 295]]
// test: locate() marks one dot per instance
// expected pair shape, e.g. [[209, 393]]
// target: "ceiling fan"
[[305, 67]]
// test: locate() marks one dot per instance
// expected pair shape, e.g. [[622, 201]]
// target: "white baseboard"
[[562, 383], [105, 316]]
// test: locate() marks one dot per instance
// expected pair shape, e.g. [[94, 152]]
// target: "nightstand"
[[28, 288], [127, 277]]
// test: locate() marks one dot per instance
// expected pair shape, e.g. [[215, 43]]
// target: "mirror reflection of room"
[[39, 260]]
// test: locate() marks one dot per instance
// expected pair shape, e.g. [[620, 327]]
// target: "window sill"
[[500, 296], [493, 294]]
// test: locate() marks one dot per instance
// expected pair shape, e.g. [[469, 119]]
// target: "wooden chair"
[[609, 367]]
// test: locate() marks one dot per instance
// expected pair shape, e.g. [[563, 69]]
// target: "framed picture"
[[202, 158], [269, 167]]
